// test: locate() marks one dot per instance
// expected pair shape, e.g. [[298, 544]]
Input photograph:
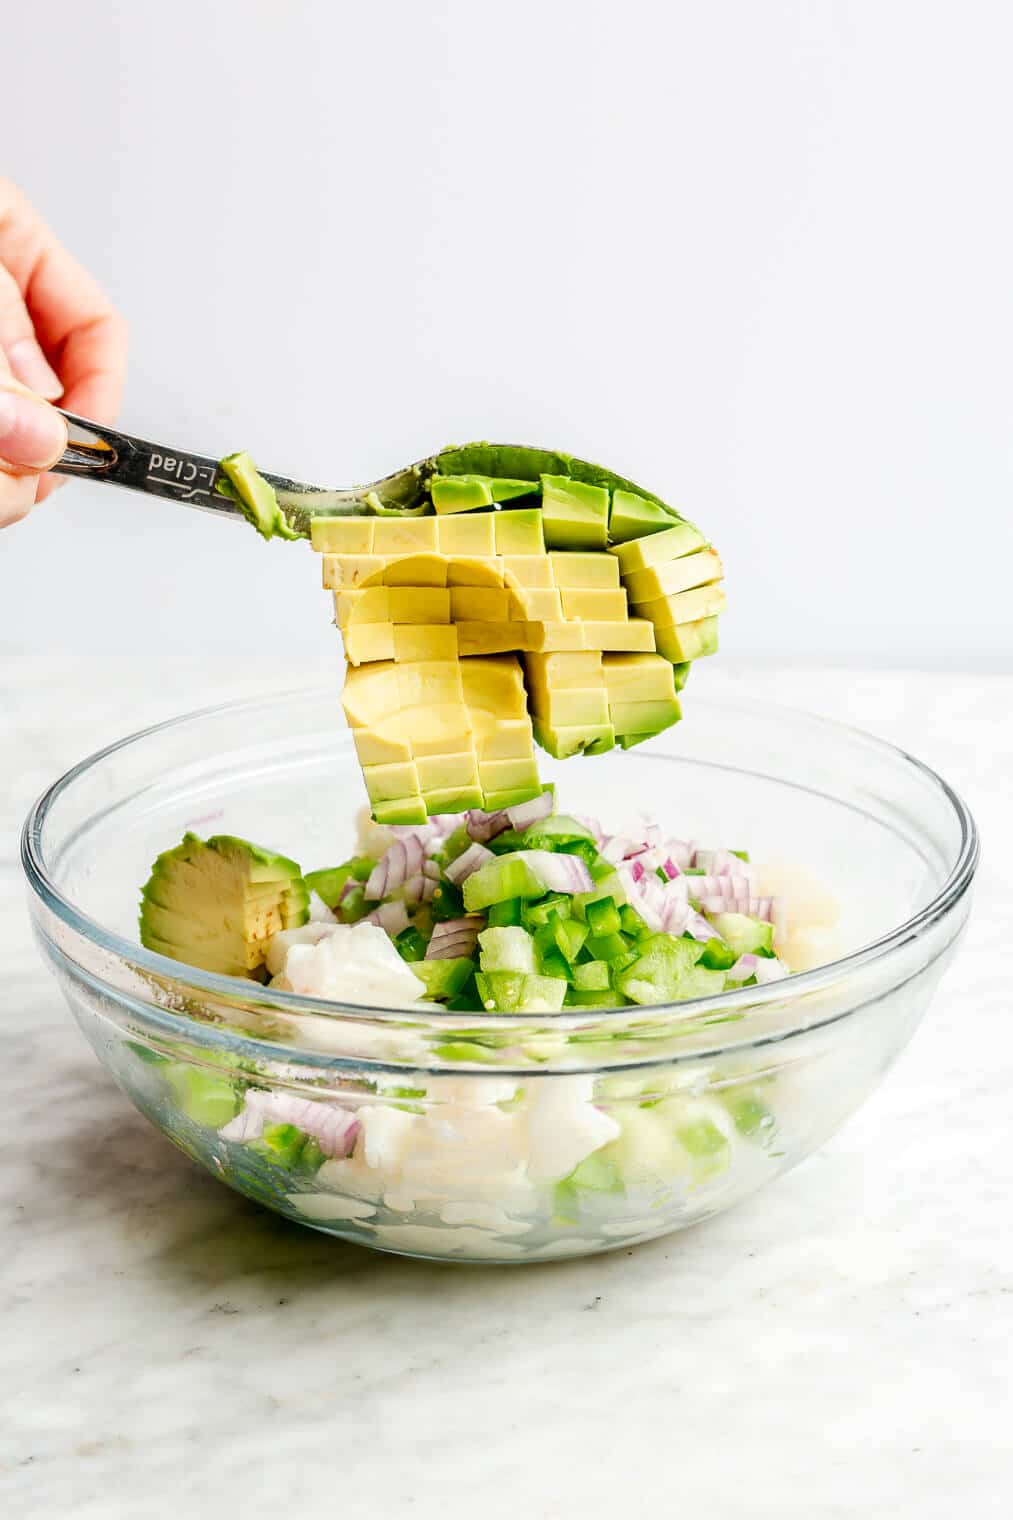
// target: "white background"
[[757, 256]]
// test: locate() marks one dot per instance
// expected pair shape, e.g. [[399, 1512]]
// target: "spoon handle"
[[115, 458]]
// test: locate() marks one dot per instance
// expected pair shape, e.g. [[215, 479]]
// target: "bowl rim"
[[189, 978]]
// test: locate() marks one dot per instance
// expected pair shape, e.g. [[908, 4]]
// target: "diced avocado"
[[348, 572], [638, 678], [572, 708], [680, 673], [675, 541], [342, 535], [520, 530], [214, 903], [459, 493], [561, 743], [399, 535], [422, 569], [462, 493], [385, 783], [688, 641], [584, 571], [575, 515], [597, 604], [683, 606], [474, 570], [636, 635], [511, 797], [472, 536], [424, 641], [644, 717], [531, 570], [744, 935], [634, 516], [675, 575], [256, 498], [400, 810]]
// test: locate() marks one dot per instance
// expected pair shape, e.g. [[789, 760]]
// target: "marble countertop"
[[841, 1345]]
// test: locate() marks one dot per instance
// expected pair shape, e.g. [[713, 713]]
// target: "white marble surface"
[[840, 1346]]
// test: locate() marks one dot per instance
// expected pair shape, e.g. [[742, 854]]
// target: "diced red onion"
[[698, 926], [592, 825], [559, 872], [347, 888], [670, 868], [391, 916], [763, 967], [419, 889], [430, 868], [403, 859], [485, 826], [471, 860], [523, 814], [637, 871], [334, 1129], [454, 937]]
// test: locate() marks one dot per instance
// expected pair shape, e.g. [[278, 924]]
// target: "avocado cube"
[[342, 535], [510, 798], [527, 570], [480, 604], [496, 683], [451, 799], [688, 641], [416, 570], [684, 606], [644, 717], [370, 694], [430, 683], [365, 642], [572, 707], [459, 493], [370, 605], [553, 636], [519, 530], [384, 783], [608, 606], [638, 677], [400, 810], [566, 741], [374, 748], [508, 775], [344, 572], [575, 514], [444, 728], [634, 516], [425, 641], [511, 739], [418, 604], [590, 571], [475, 572], [405, 535], [540, 604], [672, 543], [448, 772], [635, 635], [474, 535], [474, 638], [557, 672], [673, 576]]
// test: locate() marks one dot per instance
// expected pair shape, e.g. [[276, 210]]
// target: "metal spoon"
[[114, 458]]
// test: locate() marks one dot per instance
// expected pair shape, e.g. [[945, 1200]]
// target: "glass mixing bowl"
[[503, 1137]]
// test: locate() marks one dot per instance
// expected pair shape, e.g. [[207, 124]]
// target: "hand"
[[59, 338]]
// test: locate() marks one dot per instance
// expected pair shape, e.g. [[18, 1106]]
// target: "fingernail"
[[33, 369], [32, 434]]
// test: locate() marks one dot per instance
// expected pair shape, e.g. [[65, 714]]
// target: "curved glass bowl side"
[[473, 1166]]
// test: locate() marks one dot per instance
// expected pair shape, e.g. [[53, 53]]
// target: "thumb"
[[33, 435]]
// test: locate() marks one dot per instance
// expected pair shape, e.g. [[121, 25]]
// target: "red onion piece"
[[392, 917], [524, 814], [559, 872], [472, 859], [485, 826], [454, 937]]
